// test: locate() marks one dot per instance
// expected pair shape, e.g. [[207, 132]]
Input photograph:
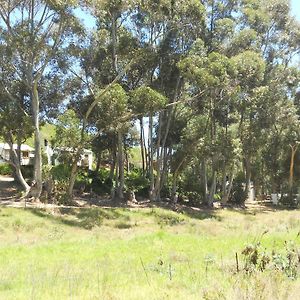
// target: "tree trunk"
[[72, 180], [204, 180], [227, 191], [161, 145], [127, 161], [151, 171], [142, 145], [224, 178], [112, 165], [158, 161], [37, 144], [98, 162], [164, 173], [248, 179], [121, 179], [15, 162], [174, 188], [292, 162], [212, 189], [175, 179]]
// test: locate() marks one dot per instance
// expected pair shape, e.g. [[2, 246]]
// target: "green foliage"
[[136, 182], [112, 106], [215, 80], [60, 172], [146, 101], [67, 131], [250, 68], [5, 169], [239, 195]]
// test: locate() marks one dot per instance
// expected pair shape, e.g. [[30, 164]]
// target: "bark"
[[146, 155], [174, 188], [212, 189], [121, 179], [151, 192], [142, 145], [164, 172], [15, 162], [204, 180], [37, 144], [98, 163], [224, 178], [158, 162], [127, 161], [73, 174], [227, 191], [112, 166], [248, 178], [292, 162]]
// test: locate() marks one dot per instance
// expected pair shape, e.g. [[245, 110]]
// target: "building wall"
[[26, 157]]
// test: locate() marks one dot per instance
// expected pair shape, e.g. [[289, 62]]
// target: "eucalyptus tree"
[[146, 102], [33, 33], [113, 108]]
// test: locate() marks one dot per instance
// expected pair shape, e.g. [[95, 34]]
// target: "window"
[[25, 154]]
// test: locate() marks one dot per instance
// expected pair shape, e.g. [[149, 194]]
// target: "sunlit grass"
[[139, 254]]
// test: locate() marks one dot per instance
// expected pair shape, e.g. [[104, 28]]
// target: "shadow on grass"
[[178, 215], [86, 218], [203, 214]]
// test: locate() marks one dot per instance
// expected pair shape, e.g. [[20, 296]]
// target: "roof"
[[24, 147]]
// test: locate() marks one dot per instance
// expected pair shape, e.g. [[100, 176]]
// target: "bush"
[[83, 180], [61, 172], [257, 259], [6, 169], [136, 182], [99, 182], [239, 195]]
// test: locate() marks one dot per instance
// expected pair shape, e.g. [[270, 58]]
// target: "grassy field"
[[141, 254]]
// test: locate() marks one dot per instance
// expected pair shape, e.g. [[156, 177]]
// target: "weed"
[[258, 259]]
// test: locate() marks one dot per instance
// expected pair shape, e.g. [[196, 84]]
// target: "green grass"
[[139, 254]]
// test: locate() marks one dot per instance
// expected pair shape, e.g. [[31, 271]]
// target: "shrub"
[[100, 182], [257, 259], [238, 192], [6, 169], [136, 182], [61, 172], [83, 180]]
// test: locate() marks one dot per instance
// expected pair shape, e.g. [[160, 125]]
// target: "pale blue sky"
[[296, 8], [90, 22]]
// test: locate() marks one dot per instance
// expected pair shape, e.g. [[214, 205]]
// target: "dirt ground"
[[8, 188], [10, 196]]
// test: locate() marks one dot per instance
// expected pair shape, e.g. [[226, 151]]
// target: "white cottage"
[[27, 153], [53, 155], [86, 158]]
